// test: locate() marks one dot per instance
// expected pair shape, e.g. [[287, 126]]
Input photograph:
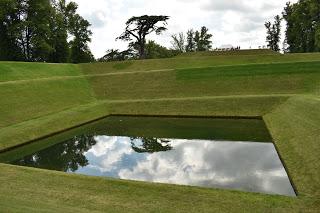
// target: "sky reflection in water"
[[245, 166]]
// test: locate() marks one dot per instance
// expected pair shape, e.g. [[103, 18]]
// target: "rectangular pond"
[[217, 153]]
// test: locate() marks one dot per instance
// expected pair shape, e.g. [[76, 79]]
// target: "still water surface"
[[217, 161]]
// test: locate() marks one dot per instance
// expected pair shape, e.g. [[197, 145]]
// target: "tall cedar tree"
[[137, 28]]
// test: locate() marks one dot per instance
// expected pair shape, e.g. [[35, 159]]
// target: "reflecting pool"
[[212, 161]]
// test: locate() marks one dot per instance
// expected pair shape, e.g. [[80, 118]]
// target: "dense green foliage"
[[37, 30], [23, 35], [154, 50], [203, 39], [80, 52], [303, 26]]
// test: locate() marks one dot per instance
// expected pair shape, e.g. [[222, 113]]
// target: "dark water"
[[218, 153]]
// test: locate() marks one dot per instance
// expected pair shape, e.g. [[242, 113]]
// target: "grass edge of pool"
[[220, 199], [233, 131]]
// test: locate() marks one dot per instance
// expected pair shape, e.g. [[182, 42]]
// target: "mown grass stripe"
[[249, 70]]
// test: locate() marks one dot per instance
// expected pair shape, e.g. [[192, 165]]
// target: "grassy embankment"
[[40, 99]]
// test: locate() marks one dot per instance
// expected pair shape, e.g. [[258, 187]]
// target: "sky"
[[235, 22]]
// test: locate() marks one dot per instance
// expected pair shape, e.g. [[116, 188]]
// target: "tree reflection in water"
[[70, 155], [67, 156], [150, 145]]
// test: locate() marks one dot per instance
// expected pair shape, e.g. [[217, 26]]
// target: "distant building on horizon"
[[226, 46]]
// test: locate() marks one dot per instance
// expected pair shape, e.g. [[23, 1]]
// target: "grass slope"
[[195, 61], [285, 94], [295, 127], [28, 100], [11, 71], [24, 132], [288, 78], [58, 192], [251, 106]]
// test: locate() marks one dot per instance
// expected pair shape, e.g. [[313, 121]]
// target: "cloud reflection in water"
[[246, 166]]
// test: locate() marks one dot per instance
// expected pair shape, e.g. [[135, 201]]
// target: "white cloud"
[[230, 5], [238, 22], [108, 151]]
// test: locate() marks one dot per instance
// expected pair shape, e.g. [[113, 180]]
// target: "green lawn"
[[11, 71], [28, 100], [288, 78], [195, 61], [282, 89]]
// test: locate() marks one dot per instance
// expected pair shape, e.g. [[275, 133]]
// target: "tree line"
[[194, 41], [302, 28], [138, 28], [43, 30], [53, 31]]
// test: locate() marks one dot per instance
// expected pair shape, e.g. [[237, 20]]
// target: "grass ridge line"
[[145, 71], [199, 98]]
